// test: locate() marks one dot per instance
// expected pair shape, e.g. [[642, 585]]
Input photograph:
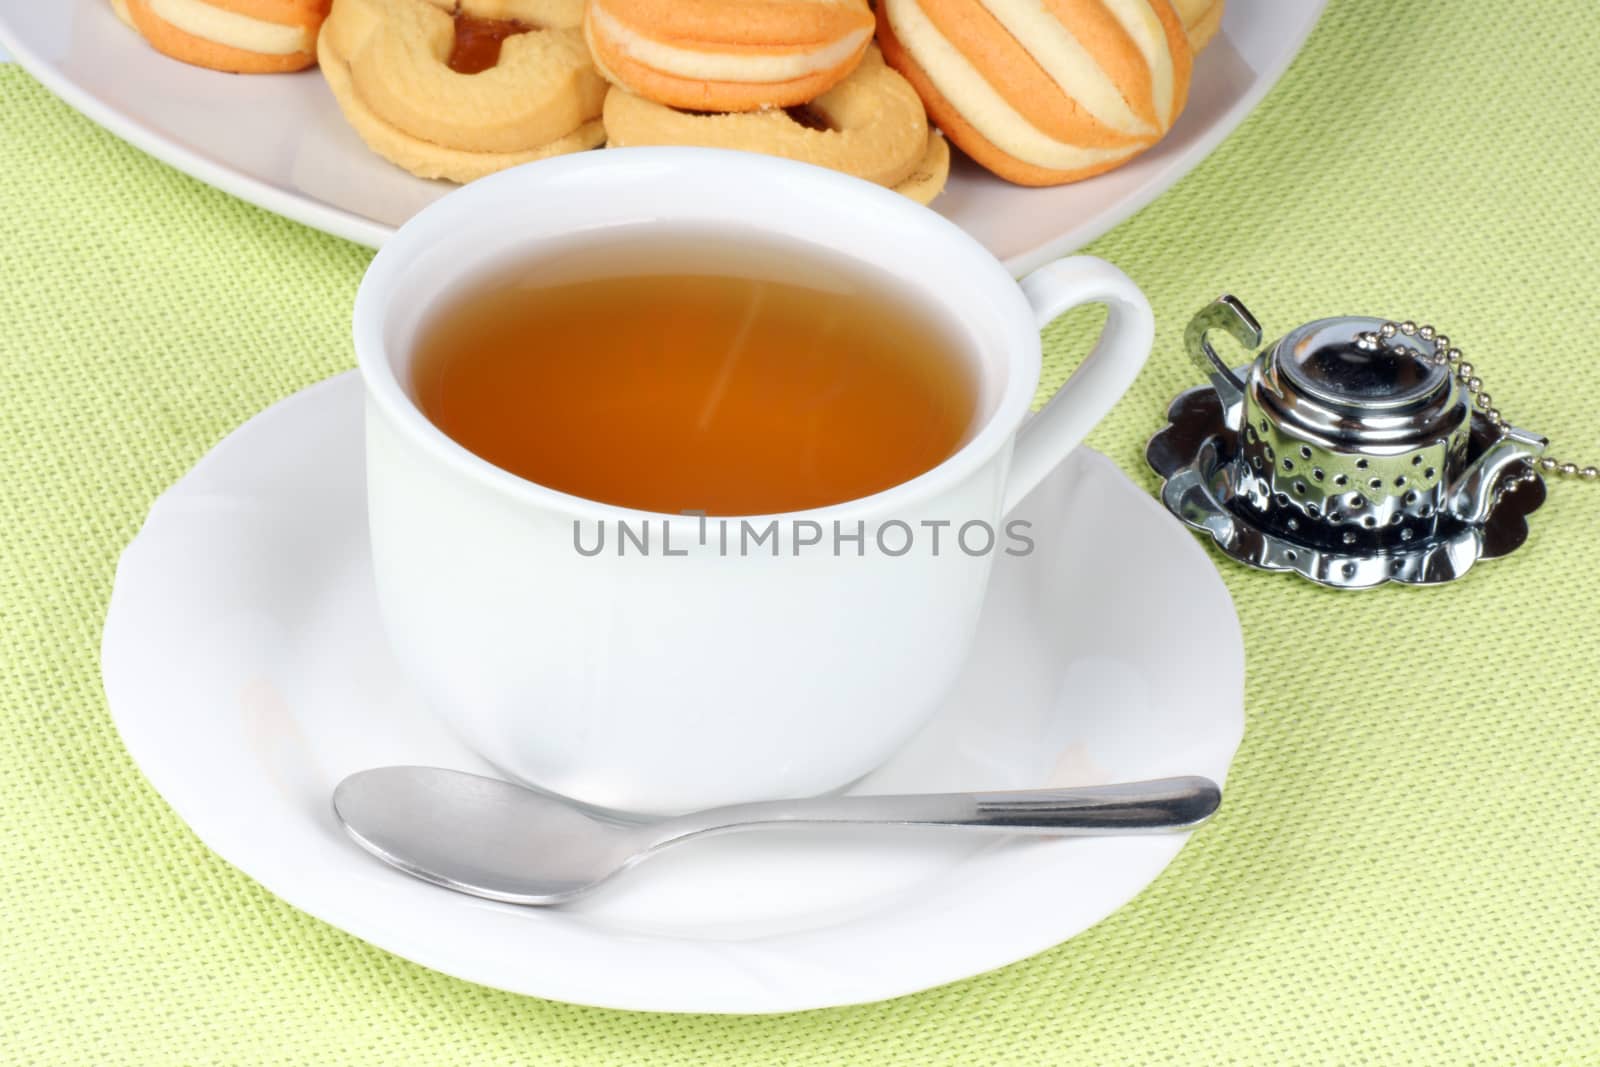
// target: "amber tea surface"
[[696, 392]]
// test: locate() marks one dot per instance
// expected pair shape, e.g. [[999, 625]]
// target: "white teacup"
[[659, 683]]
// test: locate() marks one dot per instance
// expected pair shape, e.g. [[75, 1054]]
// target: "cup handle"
[[1100, 380]]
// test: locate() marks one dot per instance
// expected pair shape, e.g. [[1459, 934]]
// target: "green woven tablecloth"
[[1407, 869]]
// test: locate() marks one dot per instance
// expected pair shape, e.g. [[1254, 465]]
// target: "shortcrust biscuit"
[[388, 63], [871, 125]]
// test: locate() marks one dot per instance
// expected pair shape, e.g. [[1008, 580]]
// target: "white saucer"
[[247, 675]]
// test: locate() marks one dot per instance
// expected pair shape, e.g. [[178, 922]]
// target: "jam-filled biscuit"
[[871, 125], [238, 36], [458, 91], [1201, 20], [1043, 92], [727, 55], [120, 7]]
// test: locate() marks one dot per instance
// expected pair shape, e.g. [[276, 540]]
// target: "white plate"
[[246, 673], [280, 142]]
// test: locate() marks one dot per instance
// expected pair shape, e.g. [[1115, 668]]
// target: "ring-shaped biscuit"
[[1201, 20], [727, 55], [388, 64], [871, 125], [237, 36]]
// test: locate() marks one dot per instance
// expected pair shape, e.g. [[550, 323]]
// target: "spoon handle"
[[1156, 806]]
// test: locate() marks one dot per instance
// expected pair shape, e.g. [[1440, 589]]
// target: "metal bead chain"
[[1446, 355]]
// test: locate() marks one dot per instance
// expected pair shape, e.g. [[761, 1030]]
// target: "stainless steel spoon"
[[492, 839]]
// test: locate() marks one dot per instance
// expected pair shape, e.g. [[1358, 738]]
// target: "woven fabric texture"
[[1407, 869]]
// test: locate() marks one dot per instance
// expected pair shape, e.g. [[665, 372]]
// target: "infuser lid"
[[1340, 382], [1325, 361]]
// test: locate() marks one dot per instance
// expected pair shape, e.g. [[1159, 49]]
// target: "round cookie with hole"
[[460, 90], [871, 125], [1201, 20]]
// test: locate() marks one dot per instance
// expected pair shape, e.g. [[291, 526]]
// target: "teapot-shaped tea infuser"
[[1353, 451]]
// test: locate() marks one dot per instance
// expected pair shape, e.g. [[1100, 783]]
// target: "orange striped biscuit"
[[727, 55], [240, 36], [1043, 92]]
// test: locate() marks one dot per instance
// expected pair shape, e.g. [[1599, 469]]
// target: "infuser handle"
[[1223, 313]]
